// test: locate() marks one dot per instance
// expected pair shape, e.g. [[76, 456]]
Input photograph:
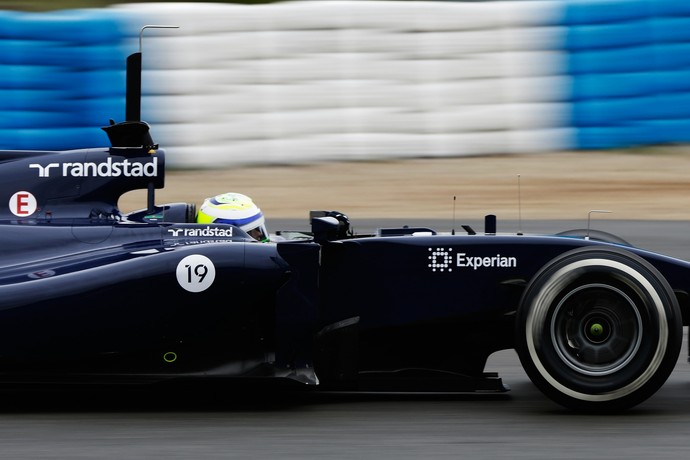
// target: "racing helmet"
[[234, 209]]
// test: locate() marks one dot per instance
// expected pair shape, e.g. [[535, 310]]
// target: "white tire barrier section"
[[308, 81]]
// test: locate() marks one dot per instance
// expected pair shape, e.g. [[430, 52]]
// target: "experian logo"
[[475, 263], [109, 168], [442, 260]]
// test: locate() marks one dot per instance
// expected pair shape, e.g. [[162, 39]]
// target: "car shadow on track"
[[205, 398], [673, 398]]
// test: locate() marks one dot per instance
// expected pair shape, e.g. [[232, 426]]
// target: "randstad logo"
[[201, 232], [108, 168]]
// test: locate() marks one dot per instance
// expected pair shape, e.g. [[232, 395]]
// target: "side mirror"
[[343, 220], [325, 229]]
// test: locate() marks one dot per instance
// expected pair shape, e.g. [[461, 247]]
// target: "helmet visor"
[[259, 234]]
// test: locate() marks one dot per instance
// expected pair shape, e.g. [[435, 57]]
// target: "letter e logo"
[[23, 204]]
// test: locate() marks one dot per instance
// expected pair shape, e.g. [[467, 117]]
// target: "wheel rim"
[[596, 329]]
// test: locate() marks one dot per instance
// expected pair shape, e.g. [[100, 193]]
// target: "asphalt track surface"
[[194, 423]]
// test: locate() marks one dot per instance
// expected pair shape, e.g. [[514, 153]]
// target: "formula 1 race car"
[[91, 294]]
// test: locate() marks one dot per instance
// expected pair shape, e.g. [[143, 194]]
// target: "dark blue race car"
[[91, 294]]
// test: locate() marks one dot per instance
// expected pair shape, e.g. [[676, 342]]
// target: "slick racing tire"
[[594, 235], [598, 330]]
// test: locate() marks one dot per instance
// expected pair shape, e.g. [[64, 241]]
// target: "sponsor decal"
[[108, 168], [42, 274], [23, 204], [497, 261], [210, 232], [440, 259], [443, 260]]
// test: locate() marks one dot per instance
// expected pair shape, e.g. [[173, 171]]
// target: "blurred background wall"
[[61, 77], [307, 81]]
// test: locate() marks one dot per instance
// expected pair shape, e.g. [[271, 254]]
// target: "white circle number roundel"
[[196, 273]]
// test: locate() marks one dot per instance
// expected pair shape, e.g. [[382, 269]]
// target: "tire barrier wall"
[[61, 78], [630, 66], [331, 80], [347, 80]]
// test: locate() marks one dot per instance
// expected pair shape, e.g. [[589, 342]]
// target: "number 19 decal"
[[196, 273]]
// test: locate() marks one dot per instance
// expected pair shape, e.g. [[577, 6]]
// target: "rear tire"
[[598, 330]]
